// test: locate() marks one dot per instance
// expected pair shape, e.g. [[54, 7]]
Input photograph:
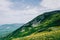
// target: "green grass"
[[46, 35], [54, 35]]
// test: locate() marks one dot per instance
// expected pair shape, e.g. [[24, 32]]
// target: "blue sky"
[[22, 4], [22, 11]]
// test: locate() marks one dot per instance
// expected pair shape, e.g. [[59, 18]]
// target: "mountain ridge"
[[38, 24], [6, 29]]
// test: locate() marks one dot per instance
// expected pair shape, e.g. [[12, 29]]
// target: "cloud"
[[22, 4], [22, 11], [9, 15], [4, 5], [51, 4]]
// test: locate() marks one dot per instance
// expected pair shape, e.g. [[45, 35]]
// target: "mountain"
[[44, 27], [6, 29]]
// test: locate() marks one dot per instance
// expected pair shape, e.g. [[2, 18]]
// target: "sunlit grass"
[[53, 35], [45, 35]]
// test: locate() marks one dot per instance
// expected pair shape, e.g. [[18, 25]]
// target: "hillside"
[[43, 26]]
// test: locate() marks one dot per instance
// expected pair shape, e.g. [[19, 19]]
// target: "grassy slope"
[[51, 21], [53, 35]]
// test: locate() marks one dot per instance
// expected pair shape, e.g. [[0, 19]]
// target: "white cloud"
[[22, 16], [51, 4], [4, 4], [15, 16]]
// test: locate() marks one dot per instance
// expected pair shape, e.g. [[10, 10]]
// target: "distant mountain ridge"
[[38, 24], [6, 29]]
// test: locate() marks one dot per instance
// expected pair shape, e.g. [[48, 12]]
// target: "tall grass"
[[53, 35]]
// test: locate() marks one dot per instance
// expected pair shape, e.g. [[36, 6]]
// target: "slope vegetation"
[[43, 27]]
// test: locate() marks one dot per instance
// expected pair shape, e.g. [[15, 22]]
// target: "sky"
[[23, 11]]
